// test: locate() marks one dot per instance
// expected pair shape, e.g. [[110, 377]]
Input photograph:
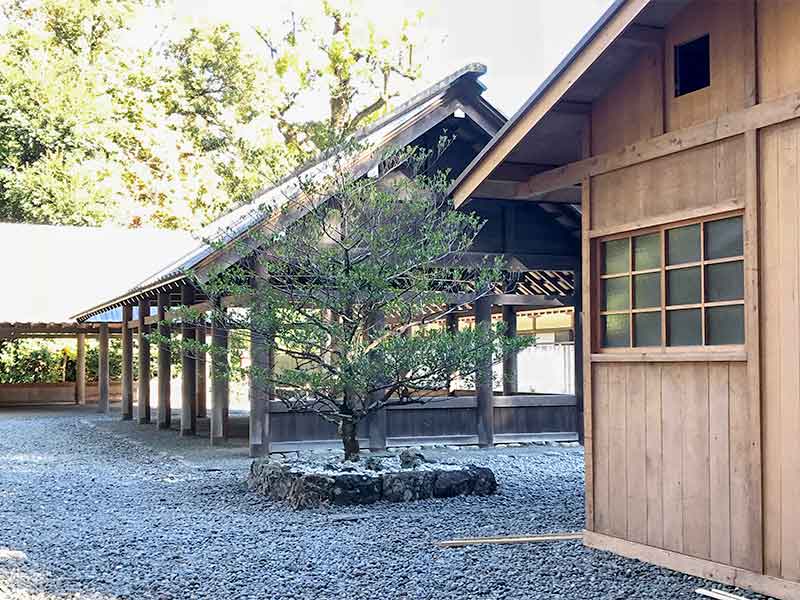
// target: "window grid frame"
[[663, 269]]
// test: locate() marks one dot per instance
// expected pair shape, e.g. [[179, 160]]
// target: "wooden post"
[[451, 323], [578, 361], [485, 395], [80, 368], [164, 364], [377, 423], [219, 378], [127, 364], [143, 415], [200, 378], [188, 371], [102, 370], [510, 376], [262, 363]]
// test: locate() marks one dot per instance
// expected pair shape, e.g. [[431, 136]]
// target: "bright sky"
[[520, 41]]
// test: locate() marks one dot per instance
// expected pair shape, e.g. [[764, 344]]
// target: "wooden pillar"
[[510, 370], [219, 379], [200, 378], [80, 370], [451, 323], [127, 364], [485, 395], [188, 371], [578, 361], [164, 364], [143, 405], [377, 423], [102, 370], [262, 363]]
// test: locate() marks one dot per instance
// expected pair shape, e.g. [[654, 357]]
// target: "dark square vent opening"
[[692, 66]]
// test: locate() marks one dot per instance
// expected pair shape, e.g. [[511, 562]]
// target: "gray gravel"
[[103, 512]]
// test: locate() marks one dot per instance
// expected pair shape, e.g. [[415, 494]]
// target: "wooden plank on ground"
[[511, 539]]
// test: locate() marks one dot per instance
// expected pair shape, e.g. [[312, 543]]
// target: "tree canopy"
[[172, 133]]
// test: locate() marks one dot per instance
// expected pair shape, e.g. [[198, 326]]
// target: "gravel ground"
[[104, 509]]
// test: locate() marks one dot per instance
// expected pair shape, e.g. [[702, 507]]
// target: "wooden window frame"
[[663, 309]]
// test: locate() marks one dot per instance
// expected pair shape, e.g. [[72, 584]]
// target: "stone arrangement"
[[312, 485]]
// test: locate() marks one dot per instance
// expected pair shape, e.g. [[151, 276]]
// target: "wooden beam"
[[188, 368], [485, 407], [127, 365], [510, 359], [587, 314], [201, 387], [143, 403], [697, 567], [511, 539], [219, 379], [164, 365], [492, 189], [720, 128], [80, 368], [573, 108], [102, 370], [503, 146]]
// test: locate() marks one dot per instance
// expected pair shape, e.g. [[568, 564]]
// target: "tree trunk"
[[348, 432]]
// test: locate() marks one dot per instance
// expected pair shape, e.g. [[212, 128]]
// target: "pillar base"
[[127, 417], [164, 426], [188, 432], [143, 421]]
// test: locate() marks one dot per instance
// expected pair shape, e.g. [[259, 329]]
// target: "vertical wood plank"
[[772, 350], [673, 400], [618, 459], [719, 463], [601, 433], [696, 505], [789, 454], [220, 398], [485, 393], [654, 451], [636, 454], [746, 533], [200, 376]]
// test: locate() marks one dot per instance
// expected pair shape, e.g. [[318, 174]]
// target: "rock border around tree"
[[303, 484]]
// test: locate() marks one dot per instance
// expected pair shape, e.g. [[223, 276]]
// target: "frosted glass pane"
[[616, 331], [647, 252], [683, 286], [724, 238], [615, 256], [647, 329], [683, 244], [684, 327], [647, 290], [616, 295], [725, 281], [725, 325]]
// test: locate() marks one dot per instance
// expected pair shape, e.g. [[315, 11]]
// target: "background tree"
[[99, 126], [350, 291]]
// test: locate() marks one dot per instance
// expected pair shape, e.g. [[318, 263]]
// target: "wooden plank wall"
[[699, 177], [780, 347], [664, 435]]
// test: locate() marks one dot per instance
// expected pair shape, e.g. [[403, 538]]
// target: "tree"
[[351, 291], [335, 54]]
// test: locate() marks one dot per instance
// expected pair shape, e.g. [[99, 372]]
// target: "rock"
[[411, 458], [356, 489], [453, 483], [310, 491], [485, 483], [408, 485], [373, 463]]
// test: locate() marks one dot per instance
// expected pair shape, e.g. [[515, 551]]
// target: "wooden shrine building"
[[676, 124], [538, 243]]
